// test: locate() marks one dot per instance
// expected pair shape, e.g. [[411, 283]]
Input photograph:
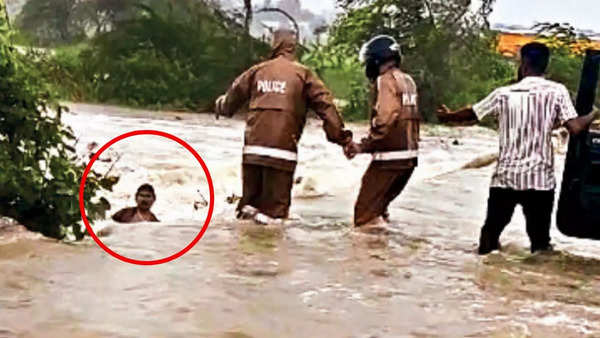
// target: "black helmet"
[[378, 51]]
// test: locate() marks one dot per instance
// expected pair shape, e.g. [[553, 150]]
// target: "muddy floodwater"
[[311, 277]]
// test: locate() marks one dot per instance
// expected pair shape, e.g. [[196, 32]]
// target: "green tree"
[[59, 22], [447, 48], [168, 54], [101, 16], [343, 74], [51, 21], [39, 170], [568, 50]]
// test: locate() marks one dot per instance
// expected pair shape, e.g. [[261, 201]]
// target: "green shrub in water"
[[39, 170]]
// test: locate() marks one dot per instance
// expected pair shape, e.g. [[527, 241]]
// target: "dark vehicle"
[[579, 205]]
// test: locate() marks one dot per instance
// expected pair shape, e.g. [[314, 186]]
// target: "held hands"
[[352, 149]]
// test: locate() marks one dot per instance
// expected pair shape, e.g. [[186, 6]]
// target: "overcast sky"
[[583, 14]]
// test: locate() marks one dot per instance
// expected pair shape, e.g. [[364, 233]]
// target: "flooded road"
[[313, 277]]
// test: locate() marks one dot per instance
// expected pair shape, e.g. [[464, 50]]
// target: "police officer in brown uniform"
[[393, 138], [279, 92]]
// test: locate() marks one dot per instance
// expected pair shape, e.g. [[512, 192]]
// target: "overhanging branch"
[[286, 14]]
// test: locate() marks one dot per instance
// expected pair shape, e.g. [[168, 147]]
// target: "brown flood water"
[[312, 277]]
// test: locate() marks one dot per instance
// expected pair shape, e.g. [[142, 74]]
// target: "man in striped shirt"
[[527, 113]]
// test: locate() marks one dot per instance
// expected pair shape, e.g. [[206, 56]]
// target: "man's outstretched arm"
[[470, 115], [237, 95], [321, 101], [462, 117]]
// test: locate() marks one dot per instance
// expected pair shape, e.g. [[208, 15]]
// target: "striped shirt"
[[527, 113]]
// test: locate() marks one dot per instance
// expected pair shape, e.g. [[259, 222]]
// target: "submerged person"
[[279, 92], [145, 198], [527, 112], [393, 138]]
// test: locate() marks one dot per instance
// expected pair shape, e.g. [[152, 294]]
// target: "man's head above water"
[[145, 197]]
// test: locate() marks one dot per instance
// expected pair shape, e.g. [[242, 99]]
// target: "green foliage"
[[449, 52], [48, 21], [357, 25], [182, 54], [359, 102], [344, 75], [39, 174], [170, 54], [60, 22], [566, 68], [568, 51], [63, 68], [474, 72]]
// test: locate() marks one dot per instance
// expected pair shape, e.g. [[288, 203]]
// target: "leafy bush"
[[568, 51], [359, 105], [62, 22], [344, 75], [169, 54], [39, 170]]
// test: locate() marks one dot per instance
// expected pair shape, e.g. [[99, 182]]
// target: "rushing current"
[[311, 277]]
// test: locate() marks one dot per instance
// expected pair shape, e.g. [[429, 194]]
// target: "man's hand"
[[596, 119], [582, 123], [352, 149], [442, 113], [462, 117], [219, 105]]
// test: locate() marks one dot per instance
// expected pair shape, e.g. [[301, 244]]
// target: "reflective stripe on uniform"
[[396, 155], [271, 152]]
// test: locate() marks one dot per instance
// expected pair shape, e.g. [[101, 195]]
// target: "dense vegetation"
[[182, 54], [160, 54], [39, 169], [447, 49]]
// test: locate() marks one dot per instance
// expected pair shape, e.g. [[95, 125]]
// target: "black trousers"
[[537, 207]]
